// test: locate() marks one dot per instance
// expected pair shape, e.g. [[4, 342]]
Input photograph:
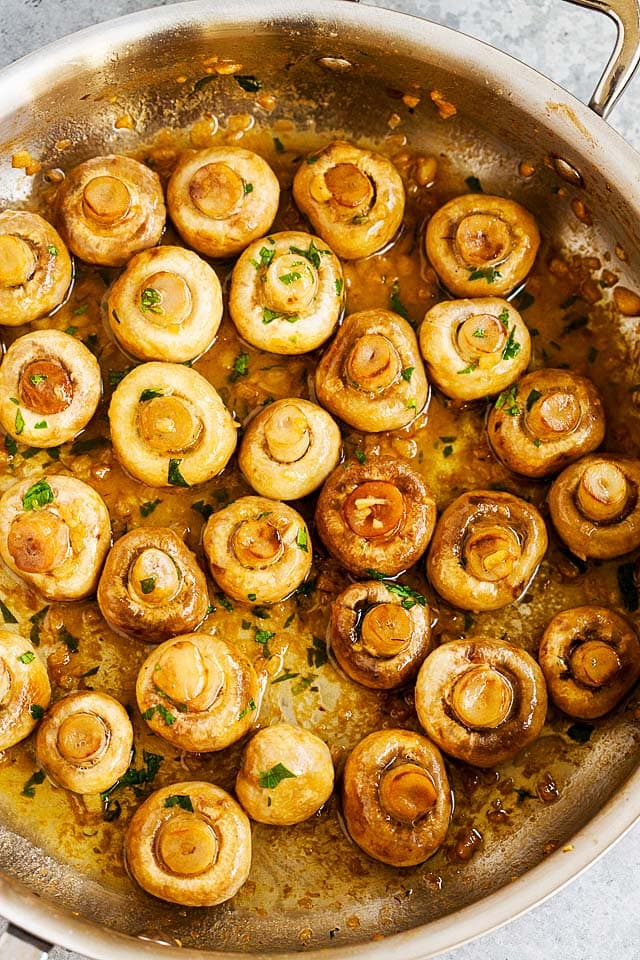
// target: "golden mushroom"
[[482, 246], [189, 843], [486, 549], [222, 199], [259, 550], [169, 426], [590, 657], [286, 775], [289, 448], [166, 305], [480, 700], [198, 692], [545, 421], [372, 375], [151, 586], [50, 387], [474, 347], [55, 533], [35, 268], [25, 690], [396, 798], [110, 208], [354, 198], [376, 516], [286, 293], [84, 742]]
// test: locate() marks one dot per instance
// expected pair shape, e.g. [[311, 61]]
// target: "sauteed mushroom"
[[169, 426], [354, 198], [395, 797], [259, 550], [222, 198], [84, 742], [372, 375], [198, 692], [166, 305], [482, 246], [35, 268], [151, 587], [54, 534], [590, 657], [378, 637], [110, 208], [486, 549], [25, 690], [481, 700], [474, 347], [377, 515], [286, 775], [286, 293], [289, 448], [190, 843], [548, 419], [50, 386]]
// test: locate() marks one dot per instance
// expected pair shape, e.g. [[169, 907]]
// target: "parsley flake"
[[39, 494], [269, 779]]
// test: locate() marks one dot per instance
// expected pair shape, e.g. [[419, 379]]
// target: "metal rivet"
[[568, 172]]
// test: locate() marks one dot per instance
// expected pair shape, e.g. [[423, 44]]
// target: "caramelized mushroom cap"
[[24, 687], [395, 797], [481, 700], [35, 268]]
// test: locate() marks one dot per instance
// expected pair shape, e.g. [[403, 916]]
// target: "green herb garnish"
[[490, 274], [180, 800], [269, 779], [151, 300], [52, 249], [317, 654], [27, 657], [147, 508], [148, 585], [339, 286], [7, 616], [512, 347], [174, 475], [240, 367], [203, 508], [36, 711], [34, 780], [531, 399], [39, 494], [396, 303], [302, 540], [19, 422], [507, 401], [36, 622], [312, 253], [248, 188], [250, 706]]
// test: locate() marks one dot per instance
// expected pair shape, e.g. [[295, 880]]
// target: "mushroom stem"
[[374, 509], [106, 199], [188, 678], [17, 261], [168, 424], [407, 792], [290, 283], [481, 336], [286, 433], [482, 238], [154, 577], [491, 552], [348, 186], [602, 491], [38, 541], [165, 299], [595, 663], [257, 543], [217, 190], [482, 698], [385, 629], [46, 387], [187, 845], [553, 414], [82, 737], [373, 363]]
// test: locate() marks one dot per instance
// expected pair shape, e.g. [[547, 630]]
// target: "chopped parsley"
[[262, 637], [135, 778], [203, 508], [278, 144], [36, 624], [287, 675], [36, 711], [80, 310], [312, 253], [490, 274], [410, 597], [474, 184], [269, 779], [406, 373], [147, 508], [508, 401], [37, 378], [10, 445], [19, 422], [266, 256], [8, 617], [302, 540], [289, 278], [71, 643], [27, 657], [249, 707], [268, 316], [512, 347], [339, 286], [533, 396], [181, 800], [39, 494], [148, 585], [151, 300], [524, 300], [503, 317], [360, 456], [52, 249], [317, 654], [224, 602], [240, 367], [34, 780], [149, 394], [248, 188], [174, 475], [115, 376], [40, 425], [472, 366], [447, 450], [396, 303], [159, 708]]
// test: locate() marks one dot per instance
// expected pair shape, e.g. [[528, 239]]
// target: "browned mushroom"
[[35, 268], [25, 690]]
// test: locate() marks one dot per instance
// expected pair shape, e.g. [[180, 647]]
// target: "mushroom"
[[474, 347], [259, 550], [169, 426], [548, 419], [189, 843], [594, 506], [25, 690], [379, 633], [289, 448], [84, 742], [151, 587], [166, 305], [590, 657], [198, 692], [481, 700], [354, 198], [55, 533], [486, 549], [396, 798], [50, 387], [286, 293], [110, 208], [222, 199], [372, 375], [482, 246], [376, 516], [285, 776], [35, 268]]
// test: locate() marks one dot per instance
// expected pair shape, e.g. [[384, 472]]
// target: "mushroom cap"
[[24, 685], [35, 268]]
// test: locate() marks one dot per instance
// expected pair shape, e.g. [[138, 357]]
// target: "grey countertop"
[[597, 916]]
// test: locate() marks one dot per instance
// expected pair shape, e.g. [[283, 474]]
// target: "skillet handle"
[[16, 944], [626, 55]]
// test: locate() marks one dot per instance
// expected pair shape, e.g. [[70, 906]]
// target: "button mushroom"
[[354, 198], [590, 657], [372, 375], [482, 246], [189, 843], [377, 515], [25, 690], [50, 387], [55, 533], [395, 797], [486, 549], [198, 692], [481, 700], [110, 208], [35, 268], [222, 199]]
